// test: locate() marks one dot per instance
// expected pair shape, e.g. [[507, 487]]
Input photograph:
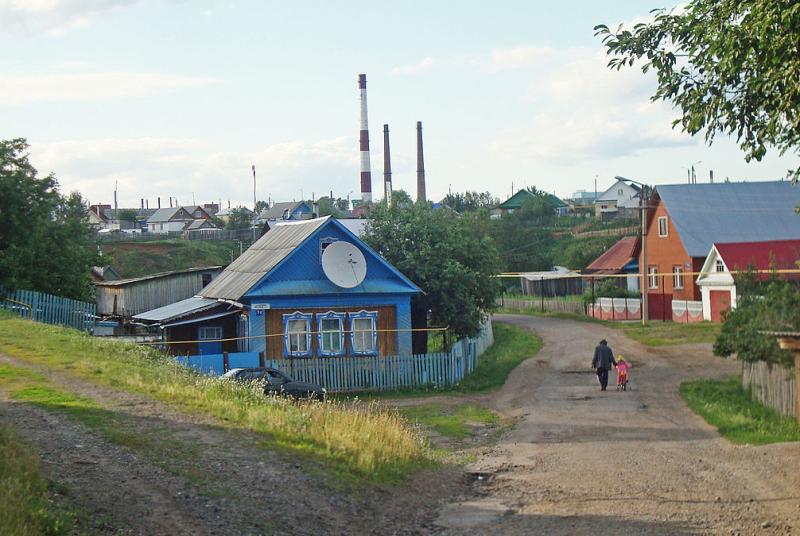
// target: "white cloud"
[[582, 110], [18, 89], [422, 66], [504, 59], [152, 167], [53, 17]]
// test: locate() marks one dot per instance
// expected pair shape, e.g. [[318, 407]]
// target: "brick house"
[[685, 220]]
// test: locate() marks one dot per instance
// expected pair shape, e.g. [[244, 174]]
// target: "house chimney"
[[387, 168], [363, 143], [420, 166], [159, 201]]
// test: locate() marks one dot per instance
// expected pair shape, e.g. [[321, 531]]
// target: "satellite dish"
[[344, 264]]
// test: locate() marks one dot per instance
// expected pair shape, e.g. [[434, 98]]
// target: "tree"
[[127, 214], [730, 66], [450, 257], [240, 218], [470, 201], [46, 242], [400, 198], [328, 207], [260, 206]]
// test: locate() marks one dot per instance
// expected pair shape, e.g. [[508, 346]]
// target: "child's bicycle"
[[622, 381]]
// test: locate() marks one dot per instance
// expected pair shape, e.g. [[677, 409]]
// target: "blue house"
[[294, 210], [305, 289]]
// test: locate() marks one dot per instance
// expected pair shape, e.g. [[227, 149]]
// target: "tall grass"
[[24, 506], [355, 440]]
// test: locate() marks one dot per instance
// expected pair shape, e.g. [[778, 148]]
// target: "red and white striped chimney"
[[366, 173]]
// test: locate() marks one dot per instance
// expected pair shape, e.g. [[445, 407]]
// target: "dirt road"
[[581, 461]]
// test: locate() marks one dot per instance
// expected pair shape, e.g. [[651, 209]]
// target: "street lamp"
[[643, 201]]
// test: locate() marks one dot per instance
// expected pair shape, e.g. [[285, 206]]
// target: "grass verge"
[[730, 408], [651, 334], [449, 421], [24, 506], [356, 441]]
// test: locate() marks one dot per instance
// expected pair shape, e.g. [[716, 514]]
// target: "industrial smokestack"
[[420, 166], [159, 201], [141, 202], [366, 173], [711, 175], [387, 167]]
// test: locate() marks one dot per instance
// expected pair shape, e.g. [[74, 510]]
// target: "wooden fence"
[[49, 309], [367, 373], [772, 385], [551, 305]]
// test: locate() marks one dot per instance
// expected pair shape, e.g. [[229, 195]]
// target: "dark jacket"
[[603, 357]]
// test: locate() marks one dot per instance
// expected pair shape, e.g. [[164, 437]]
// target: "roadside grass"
[[730, 408], [360, 442], [512, 345], [651, 334], [449, 421], [25, 509]]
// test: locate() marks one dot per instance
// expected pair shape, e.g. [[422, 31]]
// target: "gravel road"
[[582, 461]]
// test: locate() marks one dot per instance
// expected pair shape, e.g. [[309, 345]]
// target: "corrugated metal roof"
[[731, 212], [355, 226], [260, 258], [276, 211], [177, 309], [616, 257], [121, 282], [166, 214], [777, 254]]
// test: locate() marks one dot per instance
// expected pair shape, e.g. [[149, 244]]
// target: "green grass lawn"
[[359, 442], [727, 406], [449, 421], [25, 508], [652, 334]]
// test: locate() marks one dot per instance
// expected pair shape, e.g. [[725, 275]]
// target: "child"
[[622, 374]]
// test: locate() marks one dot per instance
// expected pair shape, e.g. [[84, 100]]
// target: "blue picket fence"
[[49, 309], [367, 373]]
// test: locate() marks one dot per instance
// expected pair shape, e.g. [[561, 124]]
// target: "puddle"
[[472, 514]]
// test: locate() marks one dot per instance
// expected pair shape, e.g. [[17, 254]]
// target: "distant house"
[[717, 279], [131, 296], [621, 200], [621, 258], [292, 211], [516, 201], [169, 220], [280, 296], [685, 220], [103, 273], [225, 213], [198, 212], [200, 225], [559, 281]]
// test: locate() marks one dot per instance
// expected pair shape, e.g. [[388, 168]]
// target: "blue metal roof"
[[177, 309], [731, 212]]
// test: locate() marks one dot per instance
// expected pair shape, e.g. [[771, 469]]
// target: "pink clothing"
[[622, 368]]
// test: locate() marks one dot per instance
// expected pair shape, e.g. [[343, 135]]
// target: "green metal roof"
[[516, 200]]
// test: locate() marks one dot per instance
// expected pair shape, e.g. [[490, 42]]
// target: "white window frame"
[[209, 333], [321, 334], [666, 226], [362, 334], [719, 266], [652, 277], [677, 277], [288, 336]]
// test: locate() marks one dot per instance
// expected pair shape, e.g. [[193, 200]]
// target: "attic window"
[[662, 226], [719, 266], [324, 243]]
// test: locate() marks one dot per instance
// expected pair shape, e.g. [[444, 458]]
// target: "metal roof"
[[277, 210], [355, 226], [247, 270], [177, 309], [122, 282], [166, 214], [731, 212], [613, 260]]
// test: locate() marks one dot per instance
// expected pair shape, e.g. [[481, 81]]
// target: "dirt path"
[[161, 471], [581, 461]]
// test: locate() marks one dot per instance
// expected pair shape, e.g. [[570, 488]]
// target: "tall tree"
[[240, 218], [46, 242], [730, 66], [451, 257]]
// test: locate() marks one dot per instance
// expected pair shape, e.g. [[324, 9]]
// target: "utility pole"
[[254, 188], [643, 225]]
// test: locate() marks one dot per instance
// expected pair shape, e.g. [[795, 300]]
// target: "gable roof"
[[616, 257], [159, 275], [168, 214], [778, 254], [276, 211], [704, 214], [200, 224], [516, 200], [607, 195]]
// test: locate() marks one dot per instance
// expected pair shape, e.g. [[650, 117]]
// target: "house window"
[[297, 334], [363, 335], [331, 333], [662, 226], [619, 192], [719, 266], [677, 277], [324, 243], [652, 278], [210, 333]]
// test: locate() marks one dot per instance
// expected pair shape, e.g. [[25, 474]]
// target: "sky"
[[179, 98]]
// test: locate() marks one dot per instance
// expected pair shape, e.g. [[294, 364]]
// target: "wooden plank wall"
[[772, 385]]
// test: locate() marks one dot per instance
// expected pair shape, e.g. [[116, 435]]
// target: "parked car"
[[277, 382]]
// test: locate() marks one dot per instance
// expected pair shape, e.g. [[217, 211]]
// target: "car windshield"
[[277, 376], [231, 373]]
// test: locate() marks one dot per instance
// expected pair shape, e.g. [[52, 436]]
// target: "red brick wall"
[[667, 252]]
